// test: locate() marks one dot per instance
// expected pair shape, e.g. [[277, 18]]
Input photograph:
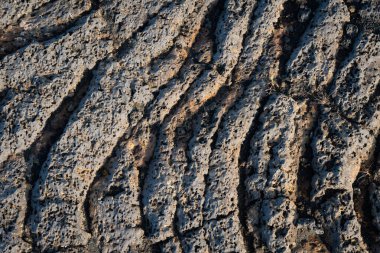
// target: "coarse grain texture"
[[190, 126]]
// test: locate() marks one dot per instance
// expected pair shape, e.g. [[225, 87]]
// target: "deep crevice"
[[362, 201], [222, 93], [53, 33], [214, 18], [127, 45], [306, 172], [209, 24], [156, 248], [6, 95], [143, 171], [102, 172], [176, 231], [218, 98], [352, 31], [294, 20], [37, 154], [243, 174], [154, 128], [328, 194]]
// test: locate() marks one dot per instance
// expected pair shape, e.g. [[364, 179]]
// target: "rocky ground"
[[190, 126]]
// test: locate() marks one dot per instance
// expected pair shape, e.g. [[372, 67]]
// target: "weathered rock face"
[[190, 126]]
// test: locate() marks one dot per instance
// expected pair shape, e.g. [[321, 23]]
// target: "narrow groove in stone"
[[243, 159], [38, 152], [291, 28], [59, 31], [102, 171], [143, 171], [182, 126], [214, 19], [362, 201], [305, 172], [147, 111], [151, 19], [347, 46], [176, 231]]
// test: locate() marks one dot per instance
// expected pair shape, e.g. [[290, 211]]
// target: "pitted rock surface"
[[190, 126]]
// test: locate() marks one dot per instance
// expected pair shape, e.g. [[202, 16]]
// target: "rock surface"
[[190, 126]]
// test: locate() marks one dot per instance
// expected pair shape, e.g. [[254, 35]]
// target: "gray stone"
[[189, 126]]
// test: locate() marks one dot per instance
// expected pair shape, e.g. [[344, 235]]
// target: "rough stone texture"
[[190, 126]]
